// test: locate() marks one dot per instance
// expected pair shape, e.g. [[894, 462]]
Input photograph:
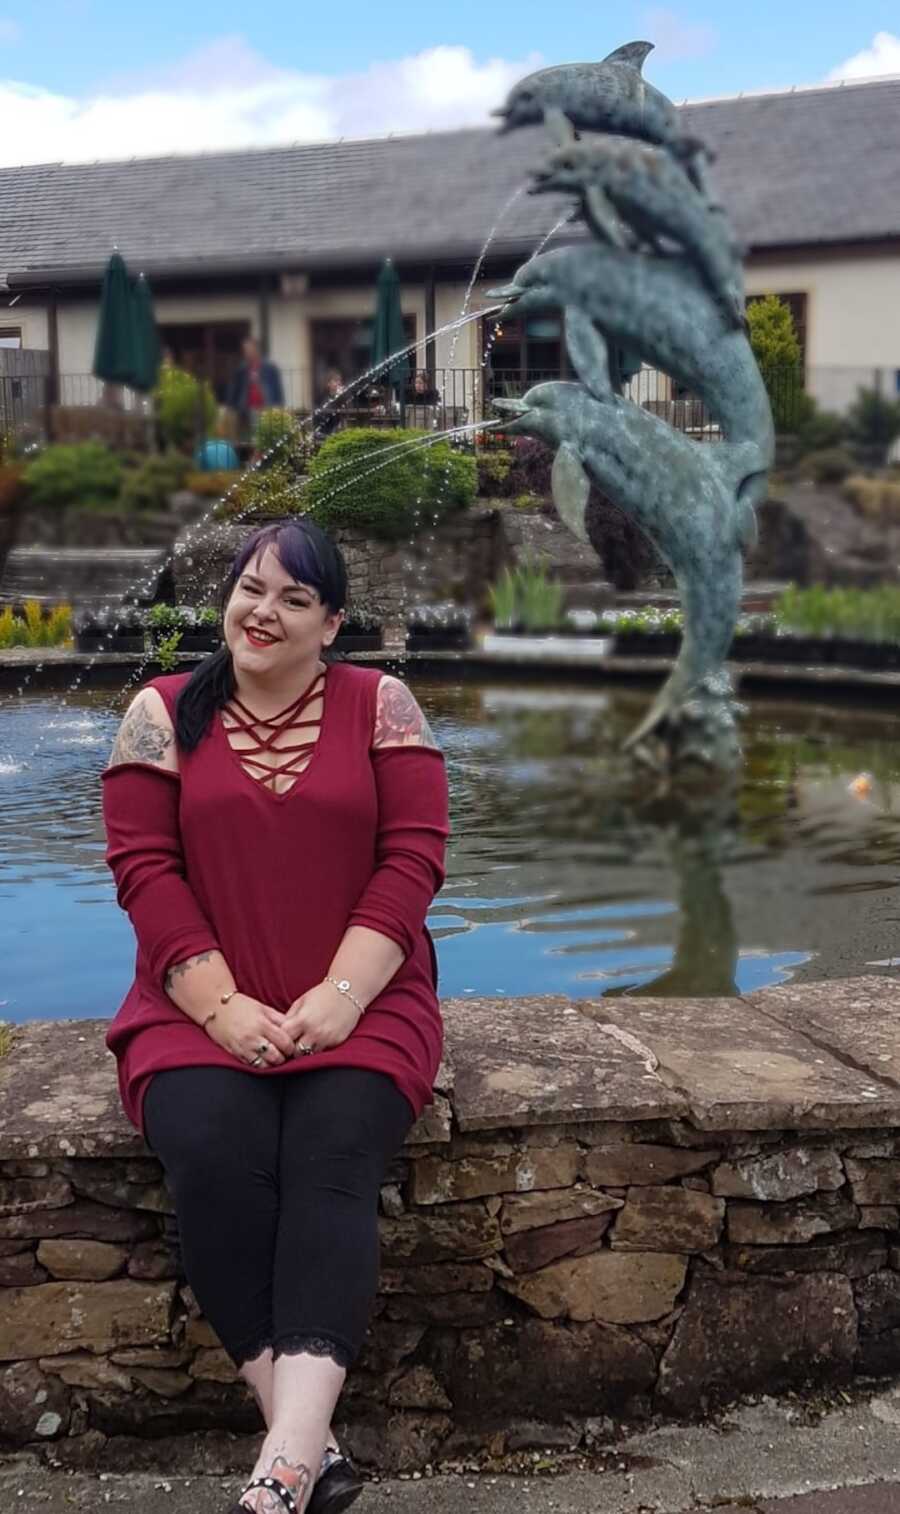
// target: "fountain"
[[659, 282]]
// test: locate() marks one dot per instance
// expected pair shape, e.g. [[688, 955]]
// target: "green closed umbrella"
[[147, 350], [388, 335], [114, 352]]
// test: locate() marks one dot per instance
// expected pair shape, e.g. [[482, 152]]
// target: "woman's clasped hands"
[[320, 1018]]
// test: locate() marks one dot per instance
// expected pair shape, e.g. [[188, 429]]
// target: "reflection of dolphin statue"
[[693, 500], [653, 195], [661, 308], [608, 96]]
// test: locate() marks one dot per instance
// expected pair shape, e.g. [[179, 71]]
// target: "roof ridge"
[[793, 89]]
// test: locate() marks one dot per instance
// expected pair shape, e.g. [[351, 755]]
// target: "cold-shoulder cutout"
[[398, 719], [146, 734]]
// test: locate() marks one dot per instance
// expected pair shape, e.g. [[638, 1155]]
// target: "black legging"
[[275, 1182]]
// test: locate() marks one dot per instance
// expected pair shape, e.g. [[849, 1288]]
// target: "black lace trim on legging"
[[313, 1345], [251, 1349]]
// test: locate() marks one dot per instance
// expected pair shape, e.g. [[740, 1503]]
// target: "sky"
[[87, 79]]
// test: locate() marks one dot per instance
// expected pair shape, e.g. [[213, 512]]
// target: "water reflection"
[[565, 875]]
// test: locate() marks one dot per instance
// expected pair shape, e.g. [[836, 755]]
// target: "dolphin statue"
[[659, 307], [609, 96], [654, 196], [694, 500]]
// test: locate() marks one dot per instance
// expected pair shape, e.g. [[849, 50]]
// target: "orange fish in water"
[[861, 786]]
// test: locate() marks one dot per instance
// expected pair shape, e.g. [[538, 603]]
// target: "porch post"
[[265, 311], [53, 349], [430, 346]]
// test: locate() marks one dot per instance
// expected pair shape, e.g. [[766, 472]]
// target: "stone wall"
[[612, 1208], [456, 561]]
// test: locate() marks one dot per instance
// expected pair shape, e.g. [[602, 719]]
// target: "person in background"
[[422, 390], [256, 386], [330, 418]]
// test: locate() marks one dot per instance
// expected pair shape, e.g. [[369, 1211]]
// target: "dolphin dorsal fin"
[[632, 53]]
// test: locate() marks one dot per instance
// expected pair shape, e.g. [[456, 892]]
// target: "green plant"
[[391, 496], [776, 348], [276, 428], [148, 486], [162, 619], [212, 485], [540, 600], [873, 421], [166, 652], [503, 599], [207, 616], [819, 429], [866, 614], [493, 465], [78, 473], [830, 466], [33, 628], [185, 407], [876, 498]]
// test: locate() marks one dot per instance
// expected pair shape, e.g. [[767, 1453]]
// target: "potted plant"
[[202, 632], [438, 627], [649, 632], [360, 629], [120, 629]]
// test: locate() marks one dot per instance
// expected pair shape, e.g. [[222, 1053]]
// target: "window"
[[796, 303], [345, 347], [208, 349], [524, 351], [11, 336]]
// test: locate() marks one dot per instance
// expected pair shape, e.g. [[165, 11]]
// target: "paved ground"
[[787, 1457]]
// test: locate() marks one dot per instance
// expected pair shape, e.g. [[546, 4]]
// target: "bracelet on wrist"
[[343, 986]]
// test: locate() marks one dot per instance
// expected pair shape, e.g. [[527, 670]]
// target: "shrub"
[[873, 421], [876, 498], [266, 492], [148, 486], [78, 473], [532, 464], [820, 429], [526, 596], [33, 628], [830, 466], [185, 407], [493, 464], [777, 351], [869, 614], [276, 427], [349, 487], [212, 485]]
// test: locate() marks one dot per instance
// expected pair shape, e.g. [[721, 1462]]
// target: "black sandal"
[[276, 1486], [334, 1490]]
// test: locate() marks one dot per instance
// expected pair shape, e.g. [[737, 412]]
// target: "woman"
[[276, 826]]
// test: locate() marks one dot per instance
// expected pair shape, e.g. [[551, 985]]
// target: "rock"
[[153, 1260], [37, 1321], [458, 1233], [213, 1364], [21, 1270], [528, 1211], [81, 1453], [449, 1277], [152, 1356], [207, 1406], [624, 1166], [32, 1405], [852, 1253], [749, 1335], [418, 1388], [668, 1219], [613, 1287], [57, 1097], [25, 1195], [878, 1303], [164, 1382], [82, 1370], [25, 1169], [200, 1333], [456, 1309], [435, 1181], [496, 1375], [386, 1345], [782, 1175], [392, 1200], [81, 1259], [874, 1182], [95, 1222], [541, 1434], [13, 1248], [795, 1222], [530, 1249], [433, 1123], [883, 1217], [396, 1443]]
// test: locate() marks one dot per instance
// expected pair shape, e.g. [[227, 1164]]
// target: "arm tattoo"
[[179, 969], [140, 739], [399, 721]]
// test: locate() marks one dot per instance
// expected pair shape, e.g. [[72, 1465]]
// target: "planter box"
[[536, 647], [437, 641], [648, 644], [199, 641], [362, 641], [93, 642]]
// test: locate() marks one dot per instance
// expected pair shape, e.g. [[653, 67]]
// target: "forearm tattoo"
[[140, 739], [179, 969], [398, 720]]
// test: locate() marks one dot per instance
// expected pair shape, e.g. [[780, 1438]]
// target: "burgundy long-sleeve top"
[[210, 859]]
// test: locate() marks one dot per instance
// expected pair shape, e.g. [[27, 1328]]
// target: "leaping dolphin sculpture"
[[653, 195], [611, 96], [694, 501]]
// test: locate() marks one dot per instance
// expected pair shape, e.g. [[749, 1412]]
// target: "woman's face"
[[272, 622]]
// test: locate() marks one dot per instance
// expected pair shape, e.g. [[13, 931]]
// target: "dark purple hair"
[[309, 555]]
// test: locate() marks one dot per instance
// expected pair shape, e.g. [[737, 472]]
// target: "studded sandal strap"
[[277, 1487]]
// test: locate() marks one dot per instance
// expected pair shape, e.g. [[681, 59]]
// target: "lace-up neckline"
[[265, 749]]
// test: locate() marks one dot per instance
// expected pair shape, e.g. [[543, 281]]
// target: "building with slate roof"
[[285, 243]]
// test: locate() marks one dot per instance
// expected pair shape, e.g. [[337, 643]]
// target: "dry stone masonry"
[[612, 1208]]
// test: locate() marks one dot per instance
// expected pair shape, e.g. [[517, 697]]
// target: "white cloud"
[[10, 30], [882, 57], [676, 39], [226, 95]]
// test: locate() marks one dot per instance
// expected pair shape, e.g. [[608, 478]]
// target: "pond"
[[562, 877]]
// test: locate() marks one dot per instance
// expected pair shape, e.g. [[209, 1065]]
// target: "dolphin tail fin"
[[559, 126], [588, 353], [632, 54]]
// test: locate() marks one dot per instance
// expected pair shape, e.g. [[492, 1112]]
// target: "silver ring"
[[303, 1050], [255, 1061]]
